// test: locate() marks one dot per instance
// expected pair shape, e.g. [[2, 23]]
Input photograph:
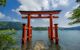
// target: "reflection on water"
[[68, 40], [53, 46], [27, 46], [40, 41], [40, 45]]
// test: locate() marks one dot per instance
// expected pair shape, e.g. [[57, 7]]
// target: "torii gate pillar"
[[51, 27], [24, 37], [56, 33], [29, 30]]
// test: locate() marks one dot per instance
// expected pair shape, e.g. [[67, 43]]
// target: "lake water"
[[68, 39]]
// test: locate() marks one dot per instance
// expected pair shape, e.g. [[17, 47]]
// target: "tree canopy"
[[77, 0], [2, 2], [75, 16]]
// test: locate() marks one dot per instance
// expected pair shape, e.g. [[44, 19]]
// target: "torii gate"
[[27, 29]]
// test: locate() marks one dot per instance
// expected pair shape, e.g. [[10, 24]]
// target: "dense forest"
[[10, 25]]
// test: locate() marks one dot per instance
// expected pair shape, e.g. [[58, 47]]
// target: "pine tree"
[[77, 0], [75, 15], [2, 2]]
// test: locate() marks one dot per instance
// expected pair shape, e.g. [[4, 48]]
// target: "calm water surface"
[[68, 39]]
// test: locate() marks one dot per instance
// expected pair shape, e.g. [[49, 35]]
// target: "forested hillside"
[[10, 25]]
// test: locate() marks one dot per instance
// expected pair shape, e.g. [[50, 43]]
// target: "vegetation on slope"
[[10, 25], [6, 39]]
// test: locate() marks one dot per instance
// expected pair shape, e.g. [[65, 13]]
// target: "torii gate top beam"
[[41, 12]]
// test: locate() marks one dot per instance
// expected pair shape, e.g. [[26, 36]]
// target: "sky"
[[11, 11]]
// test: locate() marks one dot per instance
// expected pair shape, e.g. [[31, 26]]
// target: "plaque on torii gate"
[[27, 35]]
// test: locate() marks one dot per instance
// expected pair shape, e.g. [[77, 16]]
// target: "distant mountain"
[[18, 26], [40, 28], [10, 25], [71, 28], [61, 28]]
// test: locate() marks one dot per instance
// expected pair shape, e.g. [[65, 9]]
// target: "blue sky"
[[11, 11]]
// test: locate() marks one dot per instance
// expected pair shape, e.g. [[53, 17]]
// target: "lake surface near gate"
[[68, 40]]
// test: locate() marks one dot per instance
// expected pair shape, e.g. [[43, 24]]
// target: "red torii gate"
[[27, 29]]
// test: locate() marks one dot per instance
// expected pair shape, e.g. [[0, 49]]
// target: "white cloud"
[[76, 6], [29, 5], [16, 11], [46, 4], [64, 2], [15, 20], [38, 5], [68, 14], [2, 15], [55, 5]]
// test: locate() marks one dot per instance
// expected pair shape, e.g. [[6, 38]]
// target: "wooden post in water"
[[24, 34], [49, 33], [56, 33], [51, 27], [29, 28], [30, 32]]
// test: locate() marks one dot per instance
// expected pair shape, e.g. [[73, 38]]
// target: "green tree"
[[2, 2], [75, 15], [6, 39], [77, 0]]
